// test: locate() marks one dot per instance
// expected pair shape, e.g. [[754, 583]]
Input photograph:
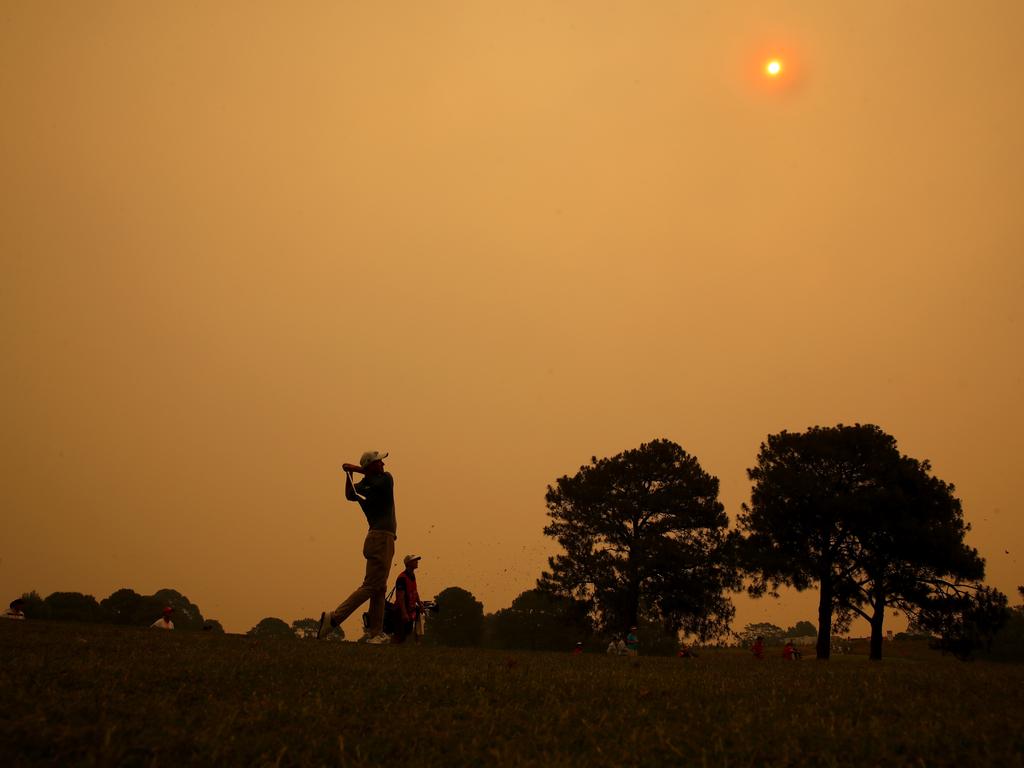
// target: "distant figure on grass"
[[376, 496], [419, 627], [758, 647], [16, 610], [578, 649], [407, 601], [617, 647], [164, 622], [685, 652], [789, 652], [632, 643]]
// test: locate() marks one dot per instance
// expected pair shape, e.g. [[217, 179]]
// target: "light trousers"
[[379, 551]]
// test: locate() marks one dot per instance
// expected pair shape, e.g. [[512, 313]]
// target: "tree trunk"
[[877, 618], [824, 646], [634, 618], [633, 605]]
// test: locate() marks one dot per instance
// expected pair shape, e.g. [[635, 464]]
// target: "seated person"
[[16, 611]]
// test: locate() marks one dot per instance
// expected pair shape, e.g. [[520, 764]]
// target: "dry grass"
[[99, 695]]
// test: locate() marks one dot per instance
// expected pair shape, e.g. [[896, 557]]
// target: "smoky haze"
[[241, 244]]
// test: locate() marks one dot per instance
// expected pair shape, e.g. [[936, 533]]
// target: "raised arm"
[[350, 491]]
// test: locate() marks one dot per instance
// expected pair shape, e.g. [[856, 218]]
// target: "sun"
[[773, 68]]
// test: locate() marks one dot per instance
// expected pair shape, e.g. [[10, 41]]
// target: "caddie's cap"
[[411, 559], [371, 456]]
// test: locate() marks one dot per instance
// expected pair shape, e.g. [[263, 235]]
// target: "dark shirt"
[[378, 501]]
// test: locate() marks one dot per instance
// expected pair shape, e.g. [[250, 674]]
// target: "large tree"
[[840, 507], [72, 606], [643, 533], [459, 620], [906, 545]]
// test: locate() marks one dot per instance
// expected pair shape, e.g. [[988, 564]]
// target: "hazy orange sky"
[[243, 242]]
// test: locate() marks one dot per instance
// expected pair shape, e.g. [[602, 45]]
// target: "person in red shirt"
[[164, 622], [758, 647], [789, 652], [578, 650], [407, 600]]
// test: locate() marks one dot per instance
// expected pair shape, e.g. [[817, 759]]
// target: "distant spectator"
[[420, 625], [789, 652], [685, 652], [632, 642], [617, 647], [758, 647], [164, 622], [16, 611], [578, 650]]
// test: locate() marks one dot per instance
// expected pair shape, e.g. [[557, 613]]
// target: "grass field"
[[76, 694]]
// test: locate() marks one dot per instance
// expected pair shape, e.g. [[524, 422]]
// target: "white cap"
[[371, 456]]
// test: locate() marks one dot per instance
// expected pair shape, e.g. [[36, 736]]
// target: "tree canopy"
[[186, 613], [802, 629], [1009, 643], [539, 620], [306, 629], [272, 627], [459, 620], [965, 617], [644, 535], [840, 507], [771, 633], [126, 606], [71, 606], [123, 606]]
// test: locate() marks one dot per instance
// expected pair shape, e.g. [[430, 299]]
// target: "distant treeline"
[[539, 620], [536, 620], [125, 606]]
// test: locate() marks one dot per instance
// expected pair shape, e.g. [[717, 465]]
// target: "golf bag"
[[390, 616]]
